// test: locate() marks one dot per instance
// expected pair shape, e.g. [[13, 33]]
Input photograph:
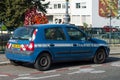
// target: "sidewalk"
[[4, 60], [114, 50]]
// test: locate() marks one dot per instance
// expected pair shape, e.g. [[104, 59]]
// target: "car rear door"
[[58, 45]]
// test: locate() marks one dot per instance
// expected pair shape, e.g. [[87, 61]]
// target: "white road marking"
[[116, 64], [73, 68], [82, 71], [36, 78], [100, 71], [23, 74], [96, 65], [50, 71], [6, 62], [3, 75], [87, 70]]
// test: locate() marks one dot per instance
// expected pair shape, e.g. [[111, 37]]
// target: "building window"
[[83, 18], [83, 4], [63, 6], [77, 5], [50, 6], [55, 6], [59, 6], [119, 3]]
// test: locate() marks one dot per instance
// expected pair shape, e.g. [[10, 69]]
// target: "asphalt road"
[[83, 70]]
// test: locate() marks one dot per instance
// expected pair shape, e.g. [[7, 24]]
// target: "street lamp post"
[[110, 15], [67, 16], [110, 27]]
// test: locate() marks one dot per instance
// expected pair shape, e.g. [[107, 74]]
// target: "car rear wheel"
[[100, 56], [43, 62]]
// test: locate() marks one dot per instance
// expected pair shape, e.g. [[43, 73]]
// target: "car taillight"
[[8, 46], [29, 47]]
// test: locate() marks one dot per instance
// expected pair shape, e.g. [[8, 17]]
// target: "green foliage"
[[3, 28], [85, 25], [12, 11]]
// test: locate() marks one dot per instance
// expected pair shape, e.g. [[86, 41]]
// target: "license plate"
[[15, 46]]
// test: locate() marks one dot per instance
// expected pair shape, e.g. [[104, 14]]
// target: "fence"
[[4, 37], [112, 37]]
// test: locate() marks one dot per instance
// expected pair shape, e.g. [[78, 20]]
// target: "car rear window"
[[23, 33]]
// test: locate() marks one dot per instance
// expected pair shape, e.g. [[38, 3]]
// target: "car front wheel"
[[100, 56]]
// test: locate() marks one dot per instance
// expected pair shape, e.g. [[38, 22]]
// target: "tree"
[[12, 11], [3, 28], [32, 16], [85, 25]]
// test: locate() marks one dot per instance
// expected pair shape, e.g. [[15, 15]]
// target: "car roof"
[[50, 25]]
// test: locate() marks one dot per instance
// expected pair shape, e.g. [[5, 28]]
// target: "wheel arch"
[[98, 56], [101, 47], [44, 52]]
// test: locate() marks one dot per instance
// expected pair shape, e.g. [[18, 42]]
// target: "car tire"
[[43, 62], [100, 56]]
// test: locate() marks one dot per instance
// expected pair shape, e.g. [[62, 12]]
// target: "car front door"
[[81, 46]]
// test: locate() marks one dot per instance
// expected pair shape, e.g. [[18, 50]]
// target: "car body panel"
[[60, 50]]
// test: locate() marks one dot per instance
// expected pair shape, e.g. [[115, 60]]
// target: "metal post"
[[67, 17], [110, 29], [110, 24]]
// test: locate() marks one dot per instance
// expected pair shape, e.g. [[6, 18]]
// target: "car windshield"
[[23, 33]]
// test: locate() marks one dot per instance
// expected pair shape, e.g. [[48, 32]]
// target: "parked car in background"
[[45, 44], [110, 29]]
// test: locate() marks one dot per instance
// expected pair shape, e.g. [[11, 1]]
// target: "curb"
[[115, 53], [4, 63]]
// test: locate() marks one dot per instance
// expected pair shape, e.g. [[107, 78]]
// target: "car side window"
[[54, 34], [75, 34]]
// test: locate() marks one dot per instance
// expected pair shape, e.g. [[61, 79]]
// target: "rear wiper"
[[24, 38], [21, 38], [15, 37]]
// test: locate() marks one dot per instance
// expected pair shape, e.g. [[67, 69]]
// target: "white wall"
[[56, 11], [81, 15], [90, 12], [84, 11]]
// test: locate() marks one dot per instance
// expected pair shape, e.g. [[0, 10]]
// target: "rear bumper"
[[20, 57]]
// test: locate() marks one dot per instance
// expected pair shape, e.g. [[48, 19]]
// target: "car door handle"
[[52, 45], [74, 44]]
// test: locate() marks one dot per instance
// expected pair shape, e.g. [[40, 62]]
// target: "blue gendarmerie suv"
[[45, 44]]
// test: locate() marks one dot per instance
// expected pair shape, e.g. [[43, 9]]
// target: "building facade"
[[80, 11]]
